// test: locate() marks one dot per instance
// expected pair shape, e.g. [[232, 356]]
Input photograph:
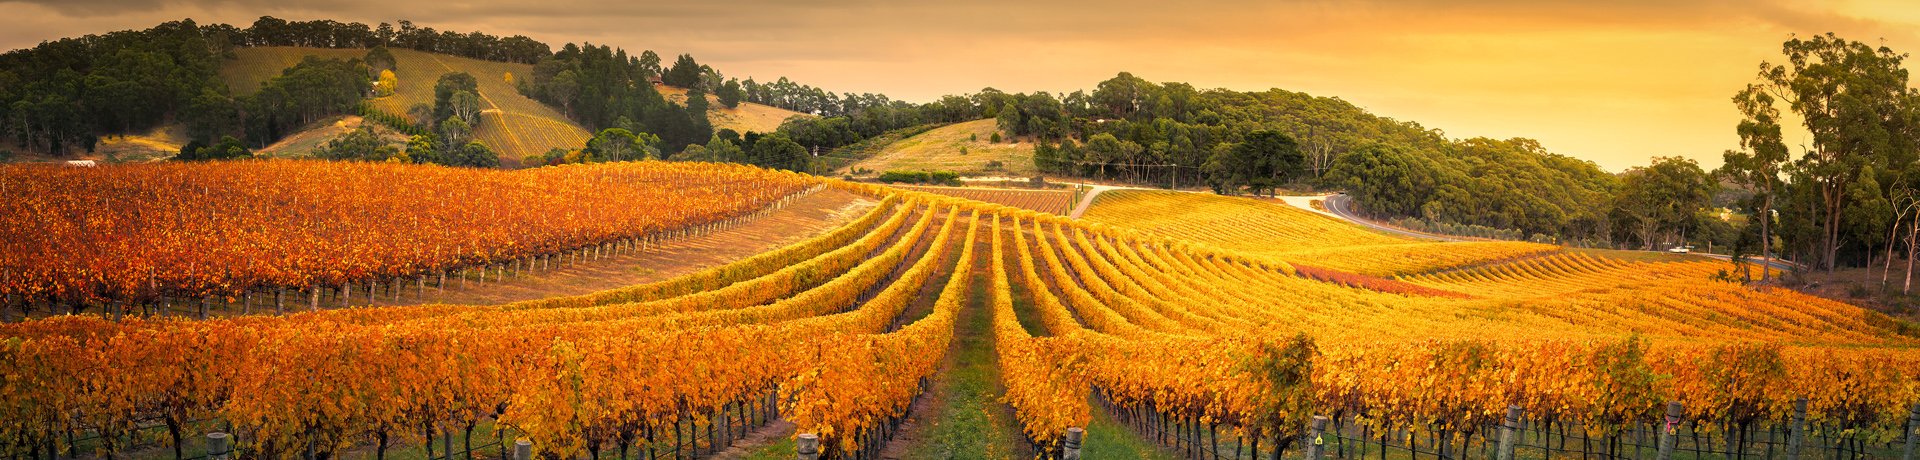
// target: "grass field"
[[965, 148], [747, 117], [512, 124]]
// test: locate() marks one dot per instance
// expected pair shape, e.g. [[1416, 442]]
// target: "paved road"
[[1340, 205]]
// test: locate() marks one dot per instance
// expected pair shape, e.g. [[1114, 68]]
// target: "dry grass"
[[514, 125], [965, 148], [747, 117], [301, 144]]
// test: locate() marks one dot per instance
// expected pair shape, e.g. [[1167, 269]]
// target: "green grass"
[[1109, 439], [960, 147], [969, 420], [779, 450]]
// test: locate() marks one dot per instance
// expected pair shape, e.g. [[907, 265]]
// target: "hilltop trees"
[[61, 95], [685, 73], [1264, 161], [598, 86]]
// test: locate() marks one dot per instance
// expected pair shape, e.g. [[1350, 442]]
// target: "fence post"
[[219, 446], [1797, 432], [1508, 430], [522, 449], [1070, 449], [808, 446], [1316, 441], [1670, 429], [1913, 434]]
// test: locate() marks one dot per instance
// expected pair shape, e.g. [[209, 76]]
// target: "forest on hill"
[[1846, 200]]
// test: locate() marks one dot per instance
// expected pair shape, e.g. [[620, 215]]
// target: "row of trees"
[[327, 33], [603, 87], [62, 95], [1850, 195]]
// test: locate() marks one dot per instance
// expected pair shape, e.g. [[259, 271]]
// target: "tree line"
[[1849, 197]]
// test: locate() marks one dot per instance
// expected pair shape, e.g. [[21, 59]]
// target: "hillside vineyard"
[[1164, 330]]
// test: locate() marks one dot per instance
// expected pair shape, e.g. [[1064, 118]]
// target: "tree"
[[1261, 162], [227, 149], [476, 155], [1009, 119], [730, 94], [1663, 197], [444, 89], [619, 144], [421, 114], [422, 150], [1855, 102], [778, 152], [1758, 166], [685, 73], [379, 59], [455, 131], [388, 84], [466, 106], [360, 145], [650, 63]]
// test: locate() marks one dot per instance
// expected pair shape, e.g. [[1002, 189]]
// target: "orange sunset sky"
[[1611, 82]]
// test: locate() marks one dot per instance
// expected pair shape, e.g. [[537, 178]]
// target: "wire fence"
[[696, 436], [1673, 436]]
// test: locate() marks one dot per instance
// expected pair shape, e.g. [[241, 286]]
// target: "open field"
[[747, 117], [513, 125], [965, 148], [897, 322]]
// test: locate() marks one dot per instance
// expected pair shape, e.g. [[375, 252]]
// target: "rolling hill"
[[961, 147], [747, 117], [512, 124]]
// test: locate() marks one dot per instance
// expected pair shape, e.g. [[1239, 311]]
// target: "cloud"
[[1615, 82]]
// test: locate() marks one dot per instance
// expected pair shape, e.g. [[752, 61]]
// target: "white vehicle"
[[1681, 249]]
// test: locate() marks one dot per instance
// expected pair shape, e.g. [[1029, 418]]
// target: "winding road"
[[1341, 206]]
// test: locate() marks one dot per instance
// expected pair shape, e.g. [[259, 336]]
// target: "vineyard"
[[511, 124], [123, 239], [1201, 326], [1049, 201]]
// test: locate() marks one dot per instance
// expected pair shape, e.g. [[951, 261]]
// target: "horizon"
[[1588, 82]]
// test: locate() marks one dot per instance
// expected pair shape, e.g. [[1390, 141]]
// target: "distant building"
[[656, 81], [82, 163]]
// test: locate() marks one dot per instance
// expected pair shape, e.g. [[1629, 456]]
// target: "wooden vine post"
[[1670, 430], [808, 446], [1509, 429], [1070, 449], [1797, 433], [219, 446], [1317, 438], [1913, 432]]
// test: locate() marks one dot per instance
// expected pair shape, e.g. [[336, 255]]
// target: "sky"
[[1615, 82]]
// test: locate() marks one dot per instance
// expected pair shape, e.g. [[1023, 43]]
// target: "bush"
[[996, 138], [921, 177], [913, 177], [995, 165]]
